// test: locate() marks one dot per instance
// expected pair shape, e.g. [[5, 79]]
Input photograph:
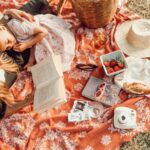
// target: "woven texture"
[[95, 13], [139, 142], [141, 7]]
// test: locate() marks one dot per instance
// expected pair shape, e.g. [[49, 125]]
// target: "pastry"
[[136, 88]]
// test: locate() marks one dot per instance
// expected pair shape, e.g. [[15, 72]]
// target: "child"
[[48, 33], [32, 7]]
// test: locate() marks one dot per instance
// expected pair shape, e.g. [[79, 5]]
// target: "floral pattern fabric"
[[50, 130]]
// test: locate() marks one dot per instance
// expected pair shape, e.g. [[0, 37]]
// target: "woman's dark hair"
[[2, 108]]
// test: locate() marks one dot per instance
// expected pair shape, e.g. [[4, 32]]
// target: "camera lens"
[[123, 117]]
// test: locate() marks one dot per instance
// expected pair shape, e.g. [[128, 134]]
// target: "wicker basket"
[[95, 13]]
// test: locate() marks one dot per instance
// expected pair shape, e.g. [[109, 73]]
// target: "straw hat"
[[141, 7], [133, 38]]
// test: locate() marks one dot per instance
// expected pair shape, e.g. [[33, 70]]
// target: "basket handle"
[[60, 6]]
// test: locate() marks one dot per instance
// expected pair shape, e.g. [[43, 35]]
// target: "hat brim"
[[121, 40]]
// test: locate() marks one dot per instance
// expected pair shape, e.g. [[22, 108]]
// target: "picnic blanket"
[[26, 130]]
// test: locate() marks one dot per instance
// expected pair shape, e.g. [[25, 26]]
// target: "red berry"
[[121, 64], [117, 68], [113, 63], [107, 63], [123, 95], [110, 70]]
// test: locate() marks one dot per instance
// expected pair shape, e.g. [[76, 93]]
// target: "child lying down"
[[45, 35]]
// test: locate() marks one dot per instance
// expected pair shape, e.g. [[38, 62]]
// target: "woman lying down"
[[46, 34]]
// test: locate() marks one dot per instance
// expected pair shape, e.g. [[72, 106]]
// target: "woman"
[[45, 34], [22, 89]]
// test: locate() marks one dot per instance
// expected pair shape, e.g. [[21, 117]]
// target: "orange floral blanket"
[[26, 130]]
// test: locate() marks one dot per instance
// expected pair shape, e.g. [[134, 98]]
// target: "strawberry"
[[121, 64], [113, 63], [117, 68], [107, 63], [110, 70]]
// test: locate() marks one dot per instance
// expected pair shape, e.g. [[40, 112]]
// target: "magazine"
[[101, 91], [94, 88]]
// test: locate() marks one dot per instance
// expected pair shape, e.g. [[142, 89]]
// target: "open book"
[[49, 83]]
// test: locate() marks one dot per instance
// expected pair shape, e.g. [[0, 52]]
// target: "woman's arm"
[[39, 34], [18, 14]]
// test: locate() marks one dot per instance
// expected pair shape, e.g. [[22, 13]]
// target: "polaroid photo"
[[78, 116], [74, 117], [79, 106]]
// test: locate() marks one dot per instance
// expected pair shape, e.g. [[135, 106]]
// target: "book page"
[[49, 95], [47, 106], [47, 70]]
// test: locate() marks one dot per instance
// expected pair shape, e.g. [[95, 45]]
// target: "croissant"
[[136, 88]]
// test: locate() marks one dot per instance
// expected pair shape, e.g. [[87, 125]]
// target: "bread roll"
[[136, 88]]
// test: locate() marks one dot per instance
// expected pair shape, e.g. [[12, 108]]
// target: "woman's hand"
[[18, 14], [20, 47]]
